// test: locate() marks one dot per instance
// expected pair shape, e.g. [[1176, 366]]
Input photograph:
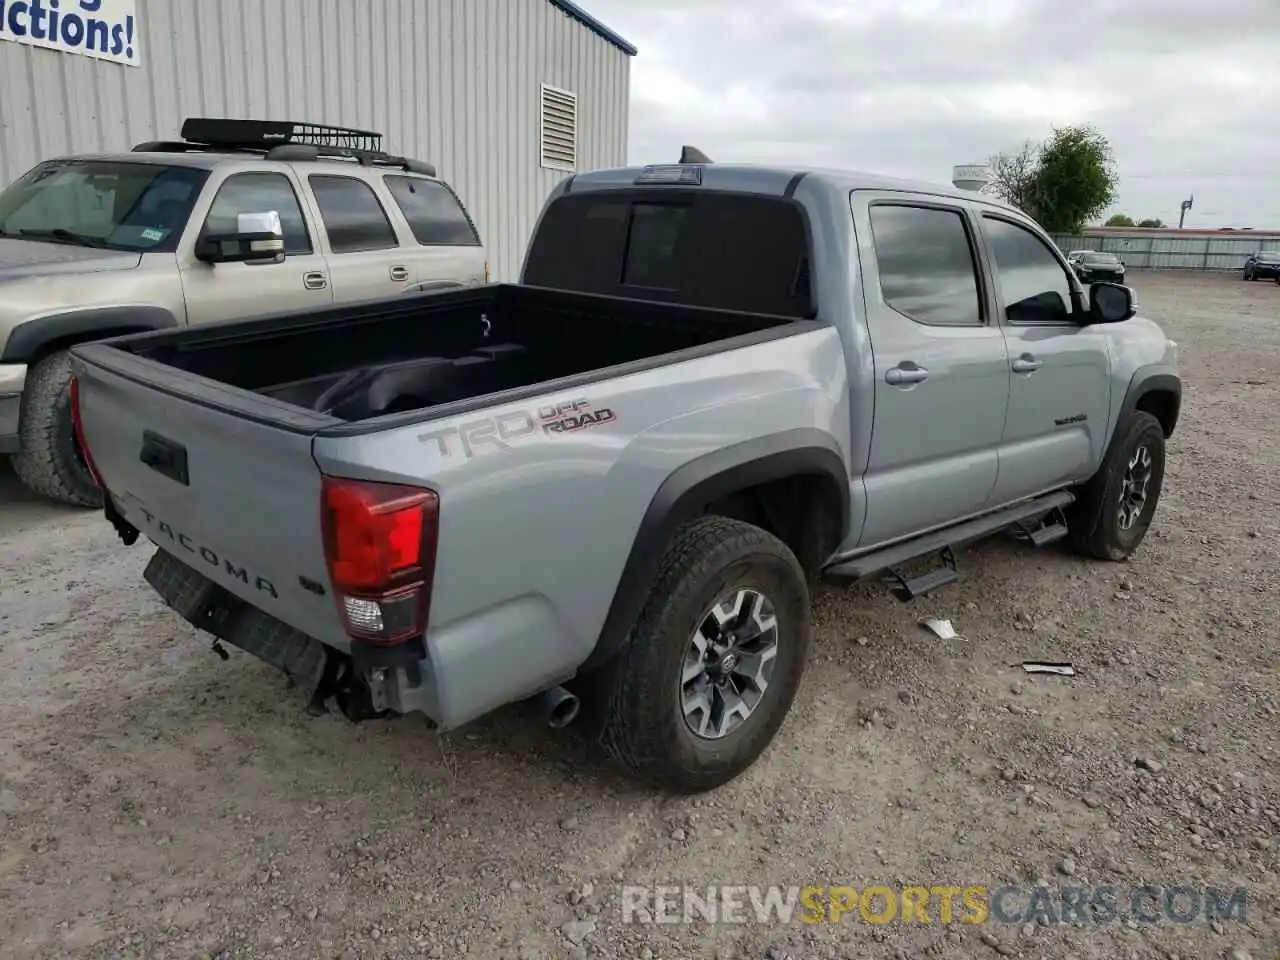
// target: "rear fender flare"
[[688, 491], [31, 338]]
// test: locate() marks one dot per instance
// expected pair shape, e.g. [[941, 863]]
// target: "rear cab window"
[[433, 211], [925, 261], [723, 250]]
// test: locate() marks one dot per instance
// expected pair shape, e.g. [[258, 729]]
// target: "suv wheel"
[[1114, 509], [714, 661], [49, 461]]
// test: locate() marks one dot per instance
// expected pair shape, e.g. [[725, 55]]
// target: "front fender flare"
[[28, 339], [1153, 378]]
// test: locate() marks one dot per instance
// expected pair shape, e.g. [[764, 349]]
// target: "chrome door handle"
[[315, 280], [1026, 364], [399, 274], [905, 373]]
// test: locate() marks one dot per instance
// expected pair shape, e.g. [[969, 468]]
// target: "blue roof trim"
[[595, 26]]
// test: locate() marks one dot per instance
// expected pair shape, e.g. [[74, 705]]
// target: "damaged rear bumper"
[[362, 691]]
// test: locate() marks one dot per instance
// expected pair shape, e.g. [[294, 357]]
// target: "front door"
[[941, 371], [1059, 389], [227, 290]]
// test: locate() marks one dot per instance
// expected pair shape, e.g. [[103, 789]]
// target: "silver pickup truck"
[[607, 486]]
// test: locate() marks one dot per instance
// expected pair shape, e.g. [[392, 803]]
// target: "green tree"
[[1119, 220], [1075, 181], [1151, 223], [1063, 182]]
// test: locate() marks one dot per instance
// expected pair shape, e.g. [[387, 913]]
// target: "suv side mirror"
[[259, 238], [1110, 303]]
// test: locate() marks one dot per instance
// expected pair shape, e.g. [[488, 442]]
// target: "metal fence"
[[1158, 250]]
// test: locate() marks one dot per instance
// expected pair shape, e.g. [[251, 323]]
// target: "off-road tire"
[[1094, 519], [644, 725], [48, 461]]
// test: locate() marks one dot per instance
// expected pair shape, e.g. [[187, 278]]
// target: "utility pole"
[[1186, 205]]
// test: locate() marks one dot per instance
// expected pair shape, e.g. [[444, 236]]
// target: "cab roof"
[[779, 180]]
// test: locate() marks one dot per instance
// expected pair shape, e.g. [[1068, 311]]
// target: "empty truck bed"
[[409, 355]]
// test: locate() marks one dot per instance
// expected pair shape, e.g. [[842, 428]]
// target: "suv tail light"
[[77, 424], [380, 547]]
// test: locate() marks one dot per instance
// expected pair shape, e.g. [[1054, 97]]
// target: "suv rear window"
[[722, 250], [435, 215]]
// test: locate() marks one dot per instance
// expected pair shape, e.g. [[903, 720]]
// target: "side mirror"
[[1110, 303], [259, 238]]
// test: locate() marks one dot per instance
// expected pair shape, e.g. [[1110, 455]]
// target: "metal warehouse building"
[[505, 97]]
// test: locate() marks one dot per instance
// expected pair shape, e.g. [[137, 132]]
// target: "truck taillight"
[[380, 547], [77, 425]]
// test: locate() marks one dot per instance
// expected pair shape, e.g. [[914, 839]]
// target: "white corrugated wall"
[[455, 82]]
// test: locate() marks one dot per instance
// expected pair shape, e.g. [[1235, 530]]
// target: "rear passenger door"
[[366, 259], [448, 248], [225, 290], [1059, 388], [941, 371]]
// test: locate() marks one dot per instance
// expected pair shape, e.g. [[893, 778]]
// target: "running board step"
[[1050, 529], [891, 557], [906, 590]]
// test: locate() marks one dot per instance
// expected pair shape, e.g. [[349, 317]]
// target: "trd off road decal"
[[498, 433]]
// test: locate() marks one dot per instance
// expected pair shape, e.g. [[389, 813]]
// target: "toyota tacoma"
[[612, 482]]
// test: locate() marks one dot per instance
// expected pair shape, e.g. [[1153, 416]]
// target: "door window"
[[260, 193], [1033, 283], [353, 217], [435, 216], [926, 264]]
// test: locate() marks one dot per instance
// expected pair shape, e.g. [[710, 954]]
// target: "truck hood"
[[20, 259]]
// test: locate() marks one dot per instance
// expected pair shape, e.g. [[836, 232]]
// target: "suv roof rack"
[[284, 140]]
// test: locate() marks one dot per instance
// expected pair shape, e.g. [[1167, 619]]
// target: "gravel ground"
[[157, 802]]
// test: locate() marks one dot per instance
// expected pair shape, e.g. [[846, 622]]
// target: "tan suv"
[[238, 218]]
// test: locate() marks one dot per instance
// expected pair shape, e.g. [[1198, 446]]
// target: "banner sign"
[[104, 29]]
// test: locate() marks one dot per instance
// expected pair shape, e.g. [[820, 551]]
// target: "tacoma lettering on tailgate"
[[210, 557], [498, 433]]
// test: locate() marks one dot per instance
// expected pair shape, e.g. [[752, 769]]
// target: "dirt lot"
[[157, 802]]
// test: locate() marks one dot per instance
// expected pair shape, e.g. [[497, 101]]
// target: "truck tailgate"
[[236, 498]]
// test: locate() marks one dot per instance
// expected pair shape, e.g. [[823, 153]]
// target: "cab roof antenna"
[[693, 155]]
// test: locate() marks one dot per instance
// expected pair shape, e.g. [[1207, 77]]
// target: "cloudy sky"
[[1187, 91]]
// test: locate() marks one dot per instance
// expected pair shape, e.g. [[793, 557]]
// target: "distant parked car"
[[1093, 266], [1262, 265]]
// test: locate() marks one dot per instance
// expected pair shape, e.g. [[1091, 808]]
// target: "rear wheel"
[[49, 461], [714, 661], [1114, 509]]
